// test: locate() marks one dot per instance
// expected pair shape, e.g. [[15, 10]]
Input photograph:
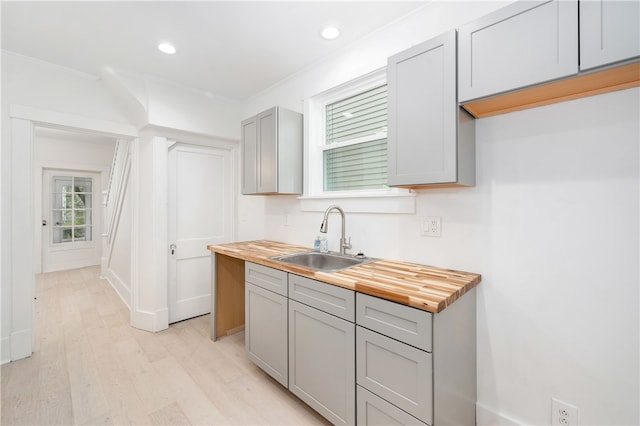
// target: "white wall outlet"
[[431, 226], [563, 414]]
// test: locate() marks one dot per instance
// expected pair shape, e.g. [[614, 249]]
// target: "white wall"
[[552, 225]]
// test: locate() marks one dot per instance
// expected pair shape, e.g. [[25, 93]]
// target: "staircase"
[[116, 224]]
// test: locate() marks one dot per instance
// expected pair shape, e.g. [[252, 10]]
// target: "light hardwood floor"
[[90, 367]]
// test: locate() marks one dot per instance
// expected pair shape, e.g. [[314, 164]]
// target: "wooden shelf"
[[608, 80]]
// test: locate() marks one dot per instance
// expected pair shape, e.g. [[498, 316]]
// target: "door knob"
[[44, 222], [173, 248]]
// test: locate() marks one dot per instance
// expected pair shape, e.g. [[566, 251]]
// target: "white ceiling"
[[232, 49]]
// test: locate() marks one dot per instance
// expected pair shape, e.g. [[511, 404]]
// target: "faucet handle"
[[347, 243]]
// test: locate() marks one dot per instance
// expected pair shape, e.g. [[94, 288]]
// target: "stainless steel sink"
[[325, 262]]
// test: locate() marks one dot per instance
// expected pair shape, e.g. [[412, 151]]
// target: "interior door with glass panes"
[[71, 220]]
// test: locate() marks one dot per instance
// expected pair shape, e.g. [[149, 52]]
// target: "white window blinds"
[[355, 150]]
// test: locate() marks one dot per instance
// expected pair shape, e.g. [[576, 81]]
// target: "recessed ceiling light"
[[166, 48], [330, 33]]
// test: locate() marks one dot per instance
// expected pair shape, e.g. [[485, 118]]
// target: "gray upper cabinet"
[[523, 44], [609, 32], [431, 140], [272, 152]]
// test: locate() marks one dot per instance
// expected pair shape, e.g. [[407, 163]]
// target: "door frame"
[[21, 257]]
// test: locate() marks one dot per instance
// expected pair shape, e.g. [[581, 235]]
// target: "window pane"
[[82, 201], [71, 213], [62, 201], [359, 116], [79, 234], [67, 235], [360, 166], [82, 184], [62, 184]]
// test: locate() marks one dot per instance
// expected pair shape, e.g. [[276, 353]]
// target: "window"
[[71, 211], [355, 148], [346, 149]]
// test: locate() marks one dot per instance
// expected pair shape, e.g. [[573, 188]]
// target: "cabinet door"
[[396, 372], [609, 32], [249, 147], [267, 123], [520, 45], [322, 362], [266, 331], [375, 411], [422, 113]]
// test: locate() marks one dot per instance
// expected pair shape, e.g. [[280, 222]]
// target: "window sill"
[[366, 202]]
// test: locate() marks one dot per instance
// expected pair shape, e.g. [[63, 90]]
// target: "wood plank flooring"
[[89, 367]]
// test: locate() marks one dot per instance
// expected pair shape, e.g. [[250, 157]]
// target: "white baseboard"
[[121, 288], [486, 416], [5, 357], [21, 344], [151, 321]]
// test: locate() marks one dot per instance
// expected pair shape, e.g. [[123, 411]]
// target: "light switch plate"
[[431, 226]]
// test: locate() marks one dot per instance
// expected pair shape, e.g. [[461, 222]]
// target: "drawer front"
[[329, 298], [398, 373], [409, 325], [375, 411], [265, 277]]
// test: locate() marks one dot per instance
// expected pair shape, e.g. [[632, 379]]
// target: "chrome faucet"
[[344, 244]]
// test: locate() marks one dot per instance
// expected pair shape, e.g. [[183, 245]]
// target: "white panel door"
[[71, 220], [199, 214]]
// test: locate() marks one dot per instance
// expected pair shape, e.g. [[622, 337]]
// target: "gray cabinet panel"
[[272, 152], [267, 151], [335, 300], [265, 277], [266, 331], [375, 411], [321, 362], [249, 155], [409, 325], [609, 32], [424, 141], [525, 43], [398, 373]]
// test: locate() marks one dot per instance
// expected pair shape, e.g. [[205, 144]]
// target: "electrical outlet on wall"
[[563, 414], [431, 226]]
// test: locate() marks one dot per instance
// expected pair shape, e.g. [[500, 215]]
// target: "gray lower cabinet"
[[414, 367], [322, 350], [609, 32], [266, 320], [522, 44]]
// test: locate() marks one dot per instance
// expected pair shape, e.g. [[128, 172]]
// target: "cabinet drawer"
[[409, 325], [265, 277], [396, 372], [335, 300], [373, 411]]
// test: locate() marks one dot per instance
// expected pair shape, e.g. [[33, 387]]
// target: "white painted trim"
[[151, 321], [120, 287], [55, 118], [22, 248], [21, 344], [485, 416], [366, 203], [5, 357], [135, 319]]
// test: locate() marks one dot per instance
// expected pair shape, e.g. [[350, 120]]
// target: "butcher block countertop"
[[424, 287]]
